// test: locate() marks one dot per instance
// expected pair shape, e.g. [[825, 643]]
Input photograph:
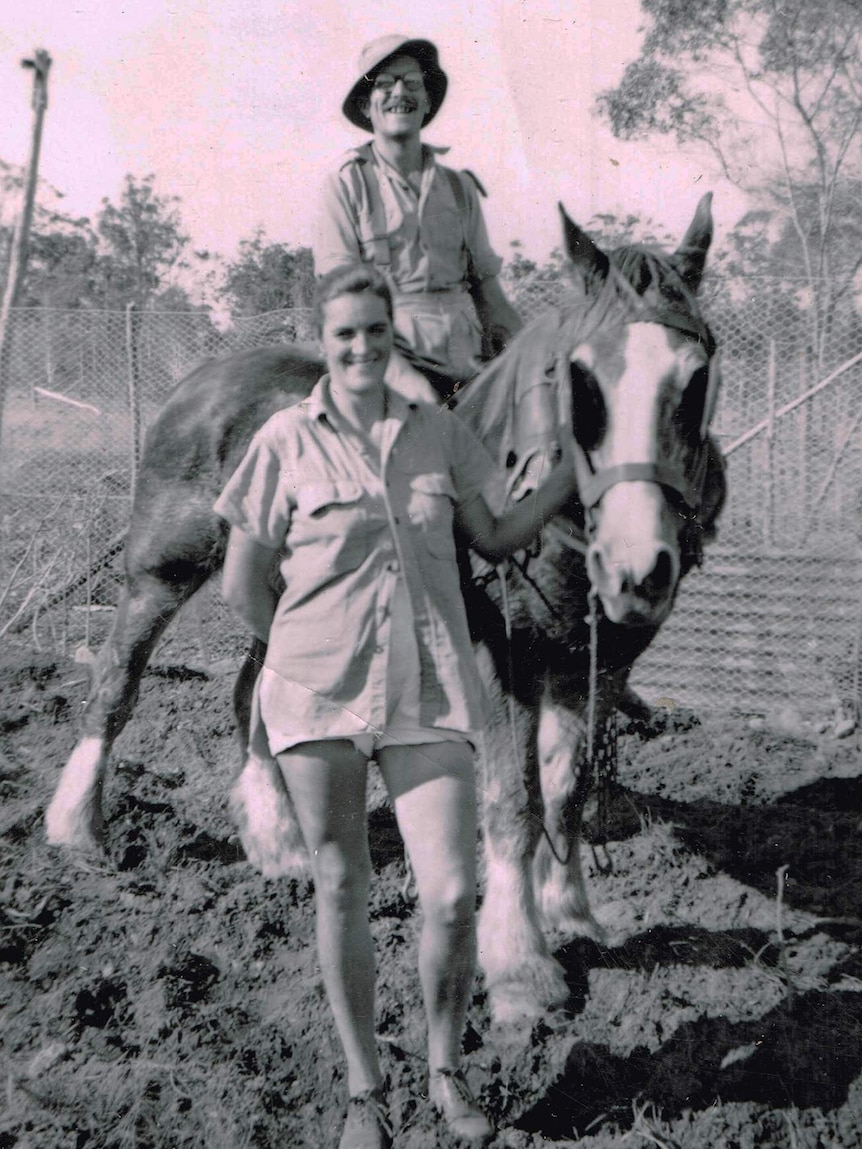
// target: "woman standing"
[[359, 493]]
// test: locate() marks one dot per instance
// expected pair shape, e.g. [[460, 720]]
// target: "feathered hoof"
[[275, 863], [529, 995], [565, 908], [581, 926], [74, 817], [82, 837], [81, 847], [263, 813]]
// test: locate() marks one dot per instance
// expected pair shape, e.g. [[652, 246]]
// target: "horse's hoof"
[[74, 815], [273, 861], [568, 913], [530, 994], [516, 1003], [266, 822], [74, 838], [582, 926], [77, 828]]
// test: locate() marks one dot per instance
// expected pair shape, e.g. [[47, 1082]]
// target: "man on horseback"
[[392, 204]]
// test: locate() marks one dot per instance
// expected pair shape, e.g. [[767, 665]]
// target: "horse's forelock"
[[642, 281], [653, 276]]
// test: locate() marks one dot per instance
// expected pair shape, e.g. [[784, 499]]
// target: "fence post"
[[134, 400], [770, 444], [41, 65]]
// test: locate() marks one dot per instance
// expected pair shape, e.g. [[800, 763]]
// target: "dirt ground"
[[170, 997]]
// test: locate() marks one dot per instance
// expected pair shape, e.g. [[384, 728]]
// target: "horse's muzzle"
[[636, 589]]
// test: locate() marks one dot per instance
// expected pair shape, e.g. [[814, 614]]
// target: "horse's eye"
[[689, 414], [589, 414]]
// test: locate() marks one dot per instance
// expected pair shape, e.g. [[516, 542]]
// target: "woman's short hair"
[[351, 279]]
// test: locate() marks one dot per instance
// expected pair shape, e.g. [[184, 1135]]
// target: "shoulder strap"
[[457, 191], [458, 187], [373, 237], [463, 209], [480, 187]]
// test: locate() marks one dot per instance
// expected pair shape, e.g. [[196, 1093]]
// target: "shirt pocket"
[[333, 519], [430, 508], [316, 499]]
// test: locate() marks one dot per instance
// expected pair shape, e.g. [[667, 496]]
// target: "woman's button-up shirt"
[[345, 534]]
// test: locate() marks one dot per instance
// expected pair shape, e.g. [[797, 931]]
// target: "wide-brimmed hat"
[[371, 59]]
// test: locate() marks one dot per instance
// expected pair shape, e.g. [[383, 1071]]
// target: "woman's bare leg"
[[327, 782], [434, 792]]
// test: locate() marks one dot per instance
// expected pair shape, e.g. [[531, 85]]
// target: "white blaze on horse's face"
[[640, 396], [633, 559]]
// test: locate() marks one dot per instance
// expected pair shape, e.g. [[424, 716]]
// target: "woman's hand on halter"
[[497, 538]]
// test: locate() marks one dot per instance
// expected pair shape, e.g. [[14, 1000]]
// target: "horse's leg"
[[260, 803], [522, 978], [557, 872], [147, 604]]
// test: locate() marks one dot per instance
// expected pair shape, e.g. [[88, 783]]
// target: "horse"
[[629, 365]]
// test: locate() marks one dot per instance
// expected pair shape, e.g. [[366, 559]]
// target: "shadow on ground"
[[804, 1053], [815, 830]]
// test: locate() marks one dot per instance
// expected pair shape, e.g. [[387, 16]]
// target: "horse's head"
[[644, 382]]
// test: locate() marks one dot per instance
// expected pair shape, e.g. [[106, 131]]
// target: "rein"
[[603, 768]]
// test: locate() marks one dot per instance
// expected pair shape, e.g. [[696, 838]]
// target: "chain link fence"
[[773, 620], [83, 387]]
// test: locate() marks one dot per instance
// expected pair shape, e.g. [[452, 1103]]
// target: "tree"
[[773, 88], [62, 269], [53, 238], [610, 231], [267, 277], [141, 243]]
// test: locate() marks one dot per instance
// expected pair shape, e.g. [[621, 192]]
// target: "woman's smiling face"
[[357, 341]]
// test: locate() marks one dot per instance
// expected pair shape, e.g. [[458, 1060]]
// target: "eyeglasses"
[[385, 81]]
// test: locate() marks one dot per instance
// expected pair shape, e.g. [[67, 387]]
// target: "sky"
[[235, 106]]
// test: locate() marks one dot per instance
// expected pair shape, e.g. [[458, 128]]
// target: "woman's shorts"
[[403, 726]]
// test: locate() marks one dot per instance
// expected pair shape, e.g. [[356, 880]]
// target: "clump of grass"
[[647, 1125]]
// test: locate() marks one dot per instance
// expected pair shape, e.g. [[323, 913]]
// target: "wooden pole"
[[41, 65], [134, 401]]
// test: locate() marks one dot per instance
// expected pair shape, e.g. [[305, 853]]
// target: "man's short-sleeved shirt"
[[370, 213], [346, 534]]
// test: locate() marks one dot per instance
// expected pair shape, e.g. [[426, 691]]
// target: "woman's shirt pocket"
[[336, 525]]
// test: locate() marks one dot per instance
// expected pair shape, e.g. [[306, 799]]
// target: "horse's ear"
[[690, 257], [583, 253]]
